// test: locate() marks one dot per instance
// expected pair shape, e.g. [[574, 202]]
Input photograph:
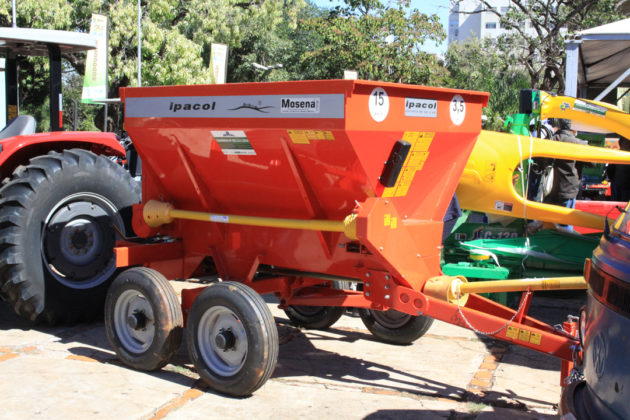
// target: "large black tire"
[[57, 237], [143, 319], [395, 327], [317, 317], [232, 338]]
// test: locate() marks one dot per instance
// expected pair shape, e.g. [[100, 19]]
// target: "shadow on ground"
[[298, 358]]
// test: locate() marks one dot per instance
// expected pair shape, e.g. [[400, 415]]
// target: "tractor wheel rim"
[[391, 318], [222, 341], [134, 337], [72, 240]]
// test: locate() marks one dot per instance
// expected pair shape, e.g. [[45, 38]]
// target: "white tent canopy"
[[599, 57]]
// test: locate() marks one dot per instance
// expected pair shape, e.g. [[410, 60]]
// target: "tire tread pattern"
[[17, 195], [154, 358]]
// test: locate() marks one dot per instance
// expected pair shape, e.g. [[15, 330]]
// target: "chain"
[[575, 375], [488, 333]]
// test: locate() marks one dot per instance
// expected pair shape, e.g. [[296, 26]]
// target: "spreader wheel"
[[143, 319], [314, 317], [232, 338], [317, 317], [395, 327]]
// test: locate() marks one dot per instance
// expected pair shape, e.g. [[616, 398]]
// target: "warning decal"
[[503, 206], [524, 335], [419, 153], [306, 136]]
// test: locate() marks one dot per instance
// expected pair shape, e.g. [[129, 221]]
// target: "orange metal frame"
[[322, 161]]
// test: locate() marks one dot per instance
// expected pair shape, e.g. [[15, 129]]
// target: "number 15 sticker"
[[458, 109], [379, 104]]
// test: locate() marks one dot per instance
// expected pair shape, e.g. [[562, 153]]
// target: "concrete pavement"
[[450, 373]]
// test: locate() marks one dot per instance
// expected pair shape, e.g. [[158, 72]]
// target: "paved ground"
[[450, 373]]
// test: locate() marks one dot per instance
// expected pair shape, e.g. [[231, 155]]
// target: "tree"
[[175, 43], [537, 30], [479, 65], [379, 41]]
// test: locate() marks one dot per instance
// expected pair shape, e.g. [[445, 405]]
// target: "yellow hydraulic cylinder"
[[157, 213], [487, 182], [449, 288]]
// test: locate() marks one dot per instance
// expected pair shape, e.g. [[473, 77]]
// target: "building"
[[470, 19]]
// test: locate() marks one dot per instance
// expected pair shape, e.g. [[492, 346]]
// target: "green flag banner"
[[95, 80], [218, 57]]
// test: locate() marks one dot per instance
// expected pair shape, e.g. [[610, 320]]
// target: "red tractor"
[[63, 200]]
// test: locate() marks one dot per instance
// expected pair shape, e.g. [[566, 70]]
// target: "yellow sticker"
[[387, 220], [512, 332], [411, 136], [523, 335], [389, 192], [414, 162], [402, 191], [306, 136], [536, 338], [298, 136], [418, 158], [394, 223], [406, 176], [422, 145]]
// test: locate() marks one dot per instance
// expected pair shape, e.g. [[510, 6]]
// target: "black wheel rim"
[[78, 240]]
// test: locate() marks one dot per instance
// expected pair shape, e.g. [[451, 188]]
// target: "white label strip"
[[254, 106]]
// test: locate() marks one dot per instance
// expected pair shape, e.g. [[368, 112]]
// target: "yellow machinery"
[[487, 183]]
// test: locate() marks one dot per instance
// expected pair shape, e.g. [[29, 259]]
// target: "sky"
[[429, 7]]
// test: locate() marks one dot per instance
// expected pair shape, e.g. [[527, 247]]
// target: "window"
[[491, 25]]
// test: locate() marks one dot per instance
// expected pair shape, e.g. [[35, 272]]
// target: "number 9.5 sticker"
[[458, 109], [379, 104]]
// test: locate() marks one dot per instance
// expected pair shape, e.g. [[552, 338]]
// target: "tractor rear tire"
[[395, 327], [57, 218]]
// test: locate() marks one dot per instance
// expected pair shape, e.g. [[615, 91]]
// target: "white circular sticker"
[[379, 104], [458, 109]]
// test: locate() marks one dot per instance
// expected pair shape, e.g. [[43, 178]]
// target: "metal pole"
[[139, 44], [613, 85], [14, 18], [158, 213], [56, 117], [105, 119], [75, 114]]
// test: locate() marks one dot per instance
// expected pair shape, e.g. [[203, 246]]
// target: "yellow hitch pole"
[[520, 285], [157, 213], [448, 288]]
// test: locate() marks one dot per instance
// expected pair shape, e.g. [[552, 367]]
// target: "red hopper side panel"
[[306, 150]]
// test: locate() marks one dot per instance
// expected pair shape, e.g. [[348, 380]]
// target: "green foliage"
[[284, 46], [381, 42], [479, 65], [538, 28], [175, 43]]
